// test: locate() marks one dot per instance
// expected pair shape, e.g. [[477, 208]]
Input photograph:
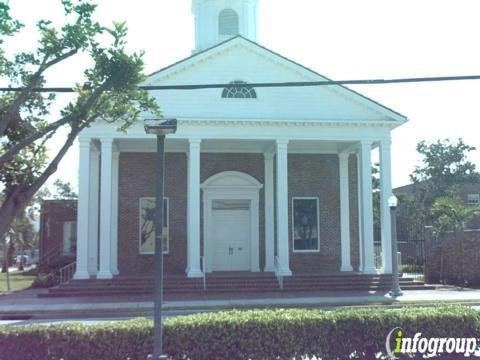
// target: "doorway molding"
[[231, 185]]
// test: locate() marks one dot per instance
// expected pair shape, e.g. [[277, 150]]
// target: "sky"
[[341, 39]]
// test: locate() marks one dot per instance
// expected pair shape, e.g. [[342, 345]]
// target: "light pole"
[[160, 128], [392, 203]]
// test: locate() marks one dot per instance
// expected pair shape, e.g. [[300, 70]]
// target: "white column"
[[344, 212], [105, 271], [367, 207], [385, 192], [83, 210], [282, 209], [114, 233], [193, 216], [269, 214], [360, 215], [93, 211]]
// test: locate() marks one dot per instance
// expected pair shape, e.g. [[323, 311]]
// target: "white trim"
[[106, 176], [277, 59], [367, 207], [360, 212], [283, 248], [343, 170], [217, 187], [193, 208], [93, 211], [269, 207], [166, 229], [318, 224], [83, 207], [244, 82], [67, 235], [114, 235], [385, 193]]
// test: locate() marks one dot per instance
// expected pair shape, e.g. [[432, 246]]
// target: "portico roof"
[[158, 76]]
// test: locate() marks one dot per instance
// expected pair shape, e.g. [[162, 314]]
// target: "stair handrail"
[[202, 260], [51, 253], [277, 272], [67, 272]]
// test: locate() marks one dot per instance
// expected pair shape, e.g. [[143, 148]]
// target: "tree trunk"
[[18, 198], [5, 255], [5, 262]]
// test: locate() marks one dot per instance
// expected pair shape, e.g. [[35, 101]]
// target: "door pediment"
[[231, 179]]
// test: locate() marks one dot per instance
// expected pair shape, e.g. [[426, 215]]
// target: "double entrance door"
[[230, 235]]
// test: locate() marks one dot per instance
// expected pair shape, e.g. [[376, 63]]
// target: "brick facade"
[[53, 214], [461, 256], [312, 175]]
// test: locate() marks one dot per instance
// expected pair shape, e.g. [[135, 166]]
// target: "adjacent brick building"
[[57, 233]]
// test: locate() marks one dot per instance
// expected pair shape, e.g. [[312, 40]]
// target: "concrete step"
[[223, 283]]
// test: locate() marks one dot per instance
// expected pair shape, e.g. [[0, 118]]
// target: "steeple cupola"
[[219, 20]]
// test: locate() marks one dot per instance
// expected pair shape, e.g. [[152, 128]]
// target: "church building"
[[260, 181]]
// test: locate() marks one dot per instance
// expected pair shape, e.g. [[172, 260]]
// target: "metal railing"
[[277, 272], [202, 260], [52, 254], [67, 272]]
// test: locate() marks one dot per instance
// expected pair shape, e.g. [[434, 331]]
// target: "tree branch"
[[14, 150], [60, 58], [84, 109], [8, 114]]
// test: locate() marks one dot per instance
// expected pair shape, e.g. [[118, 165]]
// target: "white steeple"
[[219, 20]]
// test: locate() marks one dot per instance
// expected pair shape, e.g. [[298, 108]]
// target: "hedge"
[[254, 334]]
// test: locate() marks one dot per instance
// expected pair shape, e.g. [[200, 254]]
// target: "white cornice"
[[289, 123]]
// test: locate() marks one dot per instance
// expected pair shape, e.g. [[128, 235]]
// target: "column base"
[[284, 272], [370, 271], [269, 268], [386, 270], [81, 275], [104, 275], [115, 272], [346, 268], [194, 273]]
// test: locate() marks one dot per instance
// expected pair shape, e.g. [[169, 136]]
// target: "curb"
[[146, 309]]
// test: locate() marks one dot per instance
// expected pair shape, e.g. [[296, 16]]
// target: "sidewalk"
[[26, 304]]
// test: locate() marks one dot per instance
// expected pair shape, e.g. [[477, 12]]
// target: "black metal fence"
[[411, 246]]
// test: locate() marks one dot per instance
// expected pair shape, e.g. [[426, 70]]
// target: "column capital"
[[268, 156], [366, 143], [282, 143], [385, 143], [194, 142], [343, 156], [106, 141], [84, 142]]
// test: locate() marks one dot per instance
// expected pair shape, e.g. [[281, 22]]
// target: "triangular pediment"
[[244, 60]]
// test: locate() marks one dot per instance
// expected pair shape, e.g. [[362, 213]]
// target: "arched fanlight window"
[[241, 91], [228, 24]]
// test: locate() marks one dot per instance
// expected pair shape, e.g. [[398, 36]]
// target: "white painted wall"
[[241, 60]]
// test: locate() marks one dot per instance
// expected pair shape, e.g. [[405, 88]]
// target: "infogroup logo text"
[[398, 344]]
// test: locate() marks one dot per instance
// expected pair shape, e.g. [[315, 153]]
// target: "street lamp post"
[[392, 203], [160, 128]]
